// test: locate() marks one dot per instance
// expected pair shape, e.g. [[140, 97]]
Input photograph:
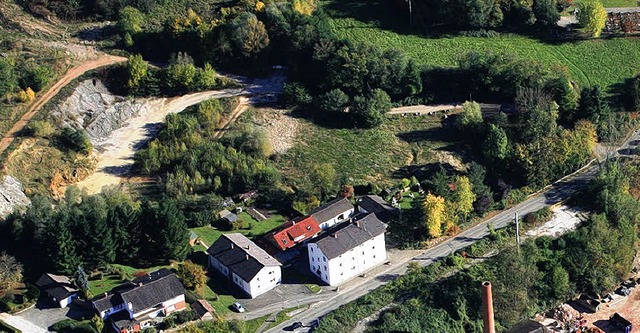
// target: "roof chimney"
[[487, 308]]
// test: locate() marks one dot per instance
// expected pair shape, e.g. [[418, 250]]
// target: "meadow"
[[605, 61], [367, 155]]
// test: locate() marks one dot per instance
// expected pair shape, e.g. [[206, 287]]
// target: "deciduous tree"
[[249, 34], [136, 70], [470, 118], [464, 196], [191, 275], [10, 273], [592, 17], [434, 210], [369, 111]]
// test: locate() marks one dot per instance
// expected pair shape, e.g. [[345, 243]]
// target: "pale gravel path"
[[115, 154], [21, 324]]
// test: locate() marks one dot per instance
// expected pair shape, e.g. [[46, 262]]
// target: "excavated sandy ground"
[[281, 128], [115, 155]]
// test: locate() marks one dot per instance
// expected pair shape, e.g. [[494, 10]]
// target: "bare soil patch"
[[281, 127]]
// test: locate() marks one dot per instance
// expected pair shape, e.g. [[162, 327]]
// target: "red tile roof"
[[295, 233]]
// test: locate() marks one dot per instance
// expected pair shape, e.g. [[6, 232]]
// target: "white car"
[[238, 307]]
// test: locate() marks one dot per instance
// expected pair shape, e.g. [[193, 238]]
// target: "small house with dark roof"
[[227, 216], [58, 288], [333, 212], [245, 264], [348, 249], [203, 309], [375, 204], [294, 232], [156, 294]]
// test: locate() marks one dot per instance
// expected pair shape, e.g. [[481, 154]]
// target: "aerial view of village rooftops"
[[328, 166]]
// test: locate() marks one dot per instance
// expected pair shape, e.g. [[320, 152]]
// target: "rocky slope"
[[11, 196], [96, 110]]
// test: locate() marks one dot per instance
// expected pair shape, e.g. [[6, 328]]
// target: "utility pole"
[[410, 14], [517, 229]]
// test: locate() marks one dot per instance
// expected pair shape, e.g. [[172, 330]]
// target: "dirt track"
[[115, 158], [73, 73]]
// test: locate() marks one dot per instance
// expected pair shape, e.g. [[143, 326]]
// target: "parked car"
[[238, 307], [629, 284], [296, 325], [624, 291]]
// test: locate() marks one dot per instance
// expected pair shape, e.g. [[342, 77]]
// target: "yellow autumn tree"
[[306, 7], [435, 214], [464, 196], [259, 6], [27, 95]]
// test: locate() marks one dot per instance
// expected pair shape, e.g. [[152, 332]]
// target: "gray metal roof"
[[331, 209], [143, 292], [241, 255], [349, 235], [375, 204], [57, 286]]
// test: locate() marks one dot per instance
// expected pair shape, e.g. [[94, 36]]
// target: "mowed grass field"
[[599, 61]]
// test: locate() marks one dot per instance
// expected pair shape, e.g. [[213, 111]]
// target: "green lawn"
[[602, 61], [366, 156], [614, 3], [254, 228], [221, 301]]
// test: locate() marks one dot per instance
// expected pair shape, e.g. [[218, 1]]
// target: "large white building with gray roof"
[[347, 250], [245, 264]]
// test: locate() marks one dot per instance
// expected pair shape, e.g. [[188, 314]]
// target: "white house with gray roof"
[[245, 264], [348, 250], [128, 306], [333, 212]]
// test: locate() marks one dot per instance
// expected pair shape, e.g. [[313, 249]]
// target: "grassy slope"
[[604, 61], [364, 155]]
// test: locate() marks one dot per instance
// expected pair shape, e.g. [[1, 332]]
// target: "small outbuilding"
[[203, 309], [58, 288], [227, 216]]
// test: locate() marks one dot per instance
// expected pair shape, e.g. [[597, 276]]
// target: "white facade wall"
[[265, 280], [238, 281], [159, 309], [110, 311], [217, 265], [348, 265], [337, 219]]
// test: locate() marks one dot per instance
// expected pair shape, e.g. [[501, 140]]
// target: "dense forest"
[[94, 231]]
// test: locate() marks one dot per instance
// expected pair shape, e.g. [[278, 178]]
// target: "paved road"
[[556, 193]]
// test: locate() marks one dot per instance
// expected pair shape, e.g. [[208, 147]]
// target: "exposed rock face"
[[93, 108], [11, 196]]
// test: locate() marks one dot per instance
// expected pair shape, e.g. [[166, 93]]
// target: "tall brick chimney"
[[487, 308]]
